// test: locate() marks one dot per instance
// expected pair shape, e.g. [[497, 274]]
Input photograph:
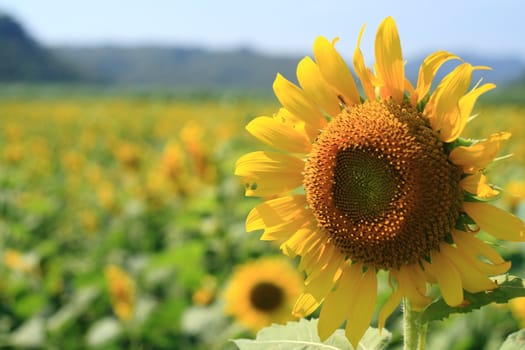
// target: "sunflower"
[[381, 182], [122, 292], [263, 292]]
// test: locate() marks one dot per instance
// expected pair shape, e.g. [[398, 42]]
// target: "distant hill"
[[23, 59], [178, 67]]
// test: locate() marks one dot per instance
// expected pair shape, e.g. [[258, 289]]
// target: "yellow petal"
[[484, 267], [442, 108], [305, 305], [477, 184], [317, 288], [300, 242], [286, 117], [473, 280], [269, 173], [279, 135], [275, 211], [412, 286], [495, 221], [335, 71], [316, 87], [479, 254], [319, 253], [361, 307], [479, 155], [284, 230], [411, 92], [467, 242], [389, 60], [364, 74], [428, 70], [467, 102], [391, 304], [335, 310], [448, 278], [329, 267], [294, 100]]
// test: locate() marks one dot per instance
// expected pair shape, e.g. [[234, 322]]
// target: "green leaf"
[[103, 331], [509, 287], [303, 335], [30, 334], [514, 341]]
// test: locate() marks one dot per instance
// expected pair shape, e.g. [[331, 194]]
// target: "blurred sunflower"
[[262, 292], [514, 195], [122, 292], [517, 307], [377, 183]]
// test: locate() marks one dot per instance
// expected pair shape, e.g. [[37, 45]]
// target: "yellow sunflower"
[[122, 292], [380, 182], [263, 292]]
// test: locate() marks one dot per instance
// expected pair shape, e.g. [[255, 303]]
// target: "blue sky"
[[278, 26]]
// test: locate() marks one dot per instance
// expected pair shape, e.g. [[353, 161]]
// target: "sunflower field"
[[122, 226]]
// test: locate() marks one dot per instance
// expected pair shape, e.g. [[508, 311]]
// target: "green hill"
[[178, 67], [23, 59]]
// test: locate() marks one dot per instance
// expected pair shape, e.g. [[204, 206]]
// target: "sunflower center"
[[379, 182], [364, 183], [266, 296]]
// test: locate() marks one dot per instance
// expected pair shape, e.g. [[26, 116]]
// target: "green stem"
[[414, 332]]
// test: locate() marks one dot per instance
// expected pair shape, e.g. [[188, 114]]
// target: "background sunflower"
[[262, 292]]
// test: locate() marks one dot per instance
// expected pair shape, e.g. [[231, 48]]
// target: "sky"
[[493, 28]]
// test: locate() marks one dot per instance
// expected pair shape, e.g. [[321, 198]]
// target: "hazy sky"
[[495, 28]]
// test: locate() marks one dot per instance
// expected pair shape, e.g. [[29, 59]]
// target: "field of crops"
[[121, 222]]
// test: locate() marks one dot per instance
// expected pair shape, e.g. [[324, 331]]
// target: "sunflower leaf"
[[509, 287], [303, 335], [514, 341]]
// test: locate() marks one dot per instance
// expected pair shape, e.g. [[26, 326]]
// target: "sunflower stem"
[[415, 332]]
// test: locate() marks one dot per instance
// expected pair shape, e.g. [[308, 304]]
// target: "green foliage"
[[303, 335], [509, 287], [515, 341]]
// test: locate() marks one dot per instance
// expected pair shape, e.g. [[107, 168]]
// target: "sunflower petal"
[[473, 280], [361, 308], [314, 294], [335, 71], [477, 184], [479, 155], [442, 108], [448, 278], [269, 173], [316, 87], [302, 239], [309, 261], [275, 211], [428, 70], [364, 74], [294, 100], [279, 135], [389, 60], [412, 287], [391, 304], [306, 304], [495, 221], [484, 267], [467, 102], [328, 268], [284, 231], [334, 312], [468, 243]]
